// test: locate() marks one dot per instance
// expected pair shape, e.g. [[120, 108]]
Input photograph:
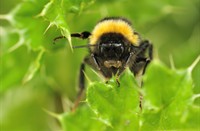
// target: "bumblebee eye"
[[118, 48], [112, 50], [103, 48]]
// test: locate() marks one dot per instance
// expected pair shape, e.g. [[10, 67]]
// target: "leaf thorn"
[[191, 67]]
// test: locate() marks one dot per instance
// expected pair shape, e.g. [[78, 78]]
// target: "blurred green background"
[[37, 75]]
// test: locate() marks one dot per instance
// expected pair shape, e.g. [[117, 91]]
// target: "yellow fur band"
[[114, 26]]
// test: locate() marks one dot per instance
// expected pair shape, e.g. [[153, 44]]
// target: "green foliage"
[[168, 104], [106, 100], [36, 75], [80, 120]]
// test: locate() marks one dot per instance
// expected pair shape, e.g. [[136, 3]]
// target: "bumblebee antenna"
[[82, 46], [59, 37], [83, 35]]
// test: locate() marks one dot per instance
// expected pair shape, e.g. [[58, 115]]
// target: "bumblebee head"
[[111, 45], [112, 37]]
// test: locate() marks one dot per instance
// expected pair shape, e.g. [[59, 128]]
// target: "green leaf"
[[116, 106], [167, 99], [167, 103], [20, 106], [56, 12], [27, 27], [34, 67], [23, 21], [81, 120]]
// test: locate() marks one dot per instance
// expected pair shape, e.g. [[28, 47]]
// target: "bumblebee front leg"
[[138, 67], [81, 86], [146, 46], [90, 60]]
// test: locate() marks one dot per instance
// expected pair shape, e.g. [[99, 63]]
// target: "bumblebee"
[[113, 46]]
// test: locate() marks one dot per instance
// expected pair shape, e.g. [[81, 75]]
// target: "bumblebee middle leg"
[[138, 67]]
